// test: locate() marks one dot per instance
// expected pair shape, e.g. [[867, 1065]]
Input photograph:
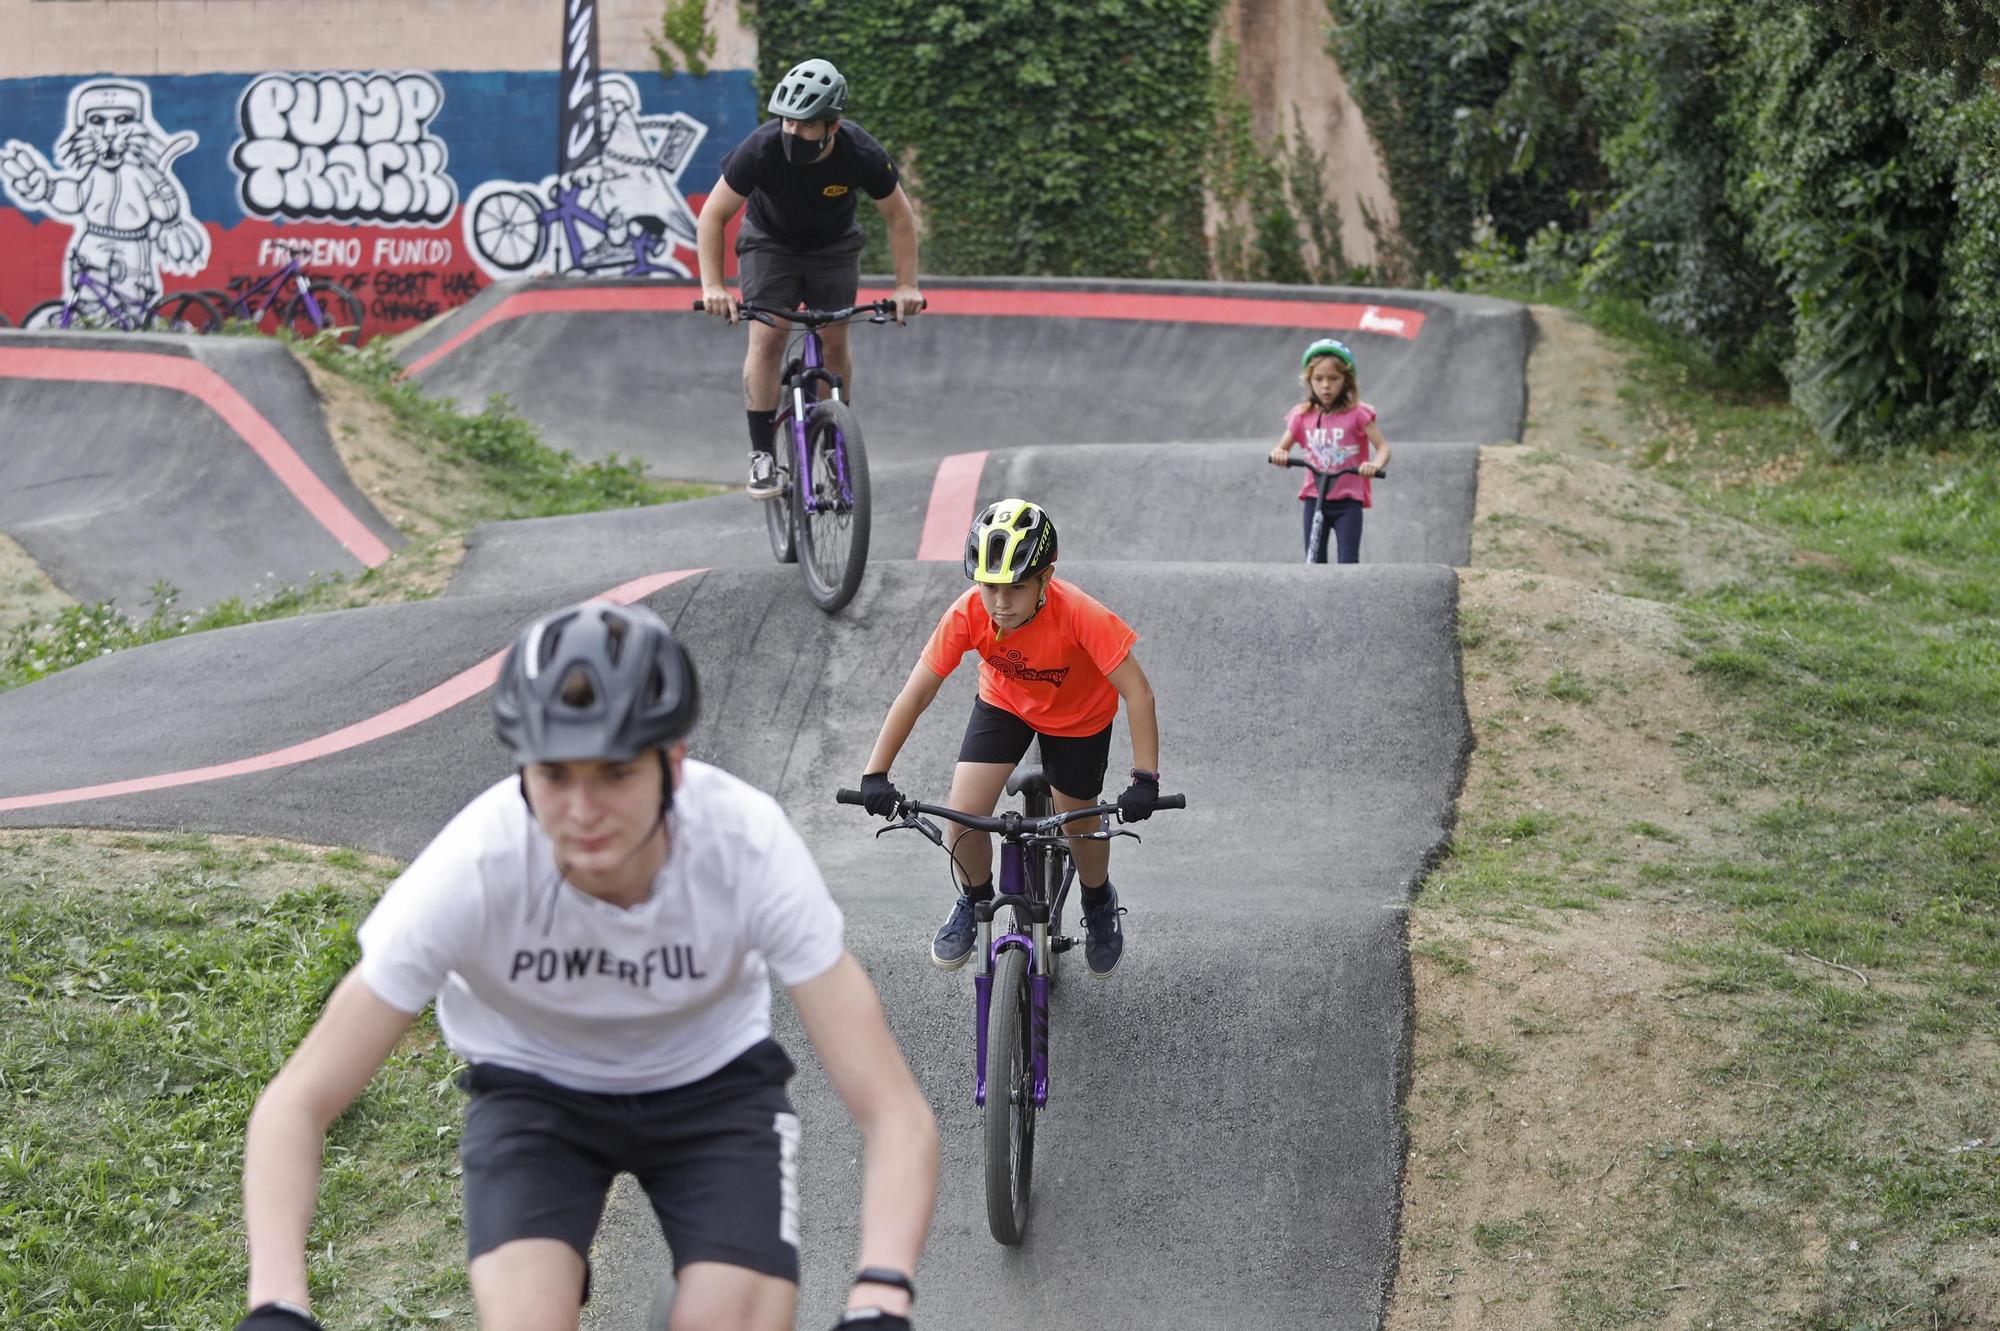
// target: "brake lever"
[[916, 823]]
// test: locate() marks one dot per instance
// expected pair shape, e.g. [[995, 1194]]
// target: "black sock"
[[977, 892], [763, 430], [1097, 898]]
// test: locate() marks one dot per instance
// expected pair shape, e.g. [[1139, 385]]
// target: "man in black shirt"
[[800, 242]]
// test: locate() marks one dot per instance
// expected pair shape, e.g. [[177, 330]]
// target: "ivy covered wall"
[[1061, 137]]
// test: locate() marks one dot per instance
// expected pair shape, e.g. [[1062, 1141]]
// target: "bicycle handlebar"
[[1010, 823], [881, 310], [1381, 474]]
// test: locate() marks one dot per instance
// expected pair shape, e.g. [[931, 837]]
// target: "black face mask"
[[799, 151]]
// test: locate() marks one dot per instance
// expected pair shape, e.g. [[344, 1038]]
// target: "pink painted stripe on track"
[[949, 516], [1151, 307], [469, 683], [203, 384]]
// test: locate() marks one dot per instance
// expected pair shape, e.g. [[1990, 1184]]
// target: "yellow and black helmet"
[[1010, 542]]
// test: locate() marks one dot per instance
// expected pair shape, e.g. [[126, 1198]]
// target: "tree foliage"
[[1956, 37], [1064, 137], [1767, 183]]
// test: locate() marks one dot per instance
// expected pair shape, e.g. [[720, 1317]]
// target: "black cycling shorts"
[[1073, 764], [717, 1157], [780, 277]]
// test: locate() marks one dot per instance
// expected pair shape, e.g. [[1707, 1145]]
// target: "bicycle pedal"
[[1062, 943]]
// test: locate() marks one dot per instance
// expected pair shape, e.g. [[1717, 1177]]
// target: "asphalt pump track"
[[1221, 1143], [203, 463]]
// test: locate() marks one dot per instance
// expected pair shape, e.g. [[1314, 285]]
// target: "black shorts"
[[1073, 764], [718, 1158], [782, 277]]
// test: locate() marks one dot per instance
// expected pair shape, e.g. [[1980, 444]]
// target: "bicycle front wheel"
[[332, 309], [833, 537], [183, 312], [1010, 1104]]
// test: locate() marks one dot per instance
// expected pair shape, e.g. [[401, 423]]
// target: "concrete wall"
[[493, 63], [136, 37]]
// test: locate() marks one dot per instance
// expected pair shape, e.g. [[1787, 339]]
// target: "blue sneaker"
[[1104, 938], [955, 936]]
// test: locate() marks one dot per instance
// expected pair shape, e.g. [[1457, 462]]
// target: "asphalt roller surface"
[[607, 368], [1207, 502], [1222, 1132], [203, 463]]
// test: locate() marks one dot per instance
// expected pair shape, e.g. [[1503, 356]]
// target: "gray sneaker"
[[955, 936], [764, 477], [1104, 938]]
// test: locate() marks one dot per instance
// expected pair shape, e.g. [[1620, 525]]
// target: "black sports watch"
[[887, 1275]]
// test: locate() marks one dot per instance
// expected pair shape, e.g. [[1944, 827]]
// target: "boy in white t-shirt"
[[599, 936]]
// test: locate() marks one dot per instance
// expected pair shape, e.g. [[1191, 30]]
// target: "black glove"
[[278, 1317], [878, 796], [871, 1319], [1140, 798]]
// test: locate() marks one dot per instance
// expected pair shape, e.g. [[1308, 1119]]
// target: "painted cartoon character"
[[636, 183], [131, 214], [623, 213]]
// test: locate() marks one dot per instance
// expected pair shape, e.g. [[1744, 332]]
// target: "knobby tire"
[[1010, 1109], [337, 305], [833, 543], [779, 522], [184, 312]]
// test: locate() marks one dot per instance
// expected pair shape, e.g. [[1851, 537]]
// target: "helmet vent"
[[578, 688], [614, 637]]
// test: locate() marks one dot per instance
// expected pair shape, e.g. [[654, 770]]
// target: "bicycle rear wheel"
[[1010, 1106], [339, 311], [183, 312], [779, 523], [833, 539]]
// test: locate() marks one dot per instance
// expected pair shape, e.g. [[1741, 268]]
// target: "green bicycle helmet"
[[1009, 543], [812, 90], [1327, 346]]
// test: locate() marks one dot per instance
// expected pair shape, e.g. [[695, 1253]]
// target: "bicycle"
[[316, 304], [822, 508], [1016, 972], [93, 304], [1323, 481], [512, 230]]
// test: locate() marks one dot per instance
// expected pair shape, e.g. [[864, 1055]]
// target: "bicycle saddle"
[[1027, 778]]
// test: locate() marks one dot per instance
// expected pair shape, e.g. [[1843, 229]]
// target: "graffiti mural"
[[623, 213], [129, 215], [414, 189], [344, 148]]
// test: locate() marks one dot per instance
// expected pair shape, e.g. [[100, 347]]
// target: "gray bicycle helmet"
[[594, 681], [812, 90]]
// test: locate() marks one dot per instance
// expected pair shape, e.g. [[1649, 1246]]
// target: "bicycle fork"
[[815, 372], [1036, 943]]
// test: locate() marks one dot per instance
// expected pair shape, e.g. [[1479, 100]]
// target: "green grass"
[[1851, 957], [500, 458], [530, 479], [142, 1020]]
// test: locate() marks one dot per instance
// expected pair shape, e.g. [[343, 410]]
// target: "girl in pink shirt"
[[1337, 430]]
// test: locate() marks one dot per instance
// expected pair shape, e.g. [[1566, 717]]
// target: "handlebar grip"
[[1171, 802], [846, 796], [701, 305]]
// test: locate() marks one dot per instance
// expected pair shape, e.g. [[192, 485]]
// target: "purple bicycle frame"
[[1012, 876], [802, 473]]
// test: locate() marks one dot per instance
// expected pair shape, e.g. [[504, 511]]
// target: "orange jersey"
[[1051, 671]]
